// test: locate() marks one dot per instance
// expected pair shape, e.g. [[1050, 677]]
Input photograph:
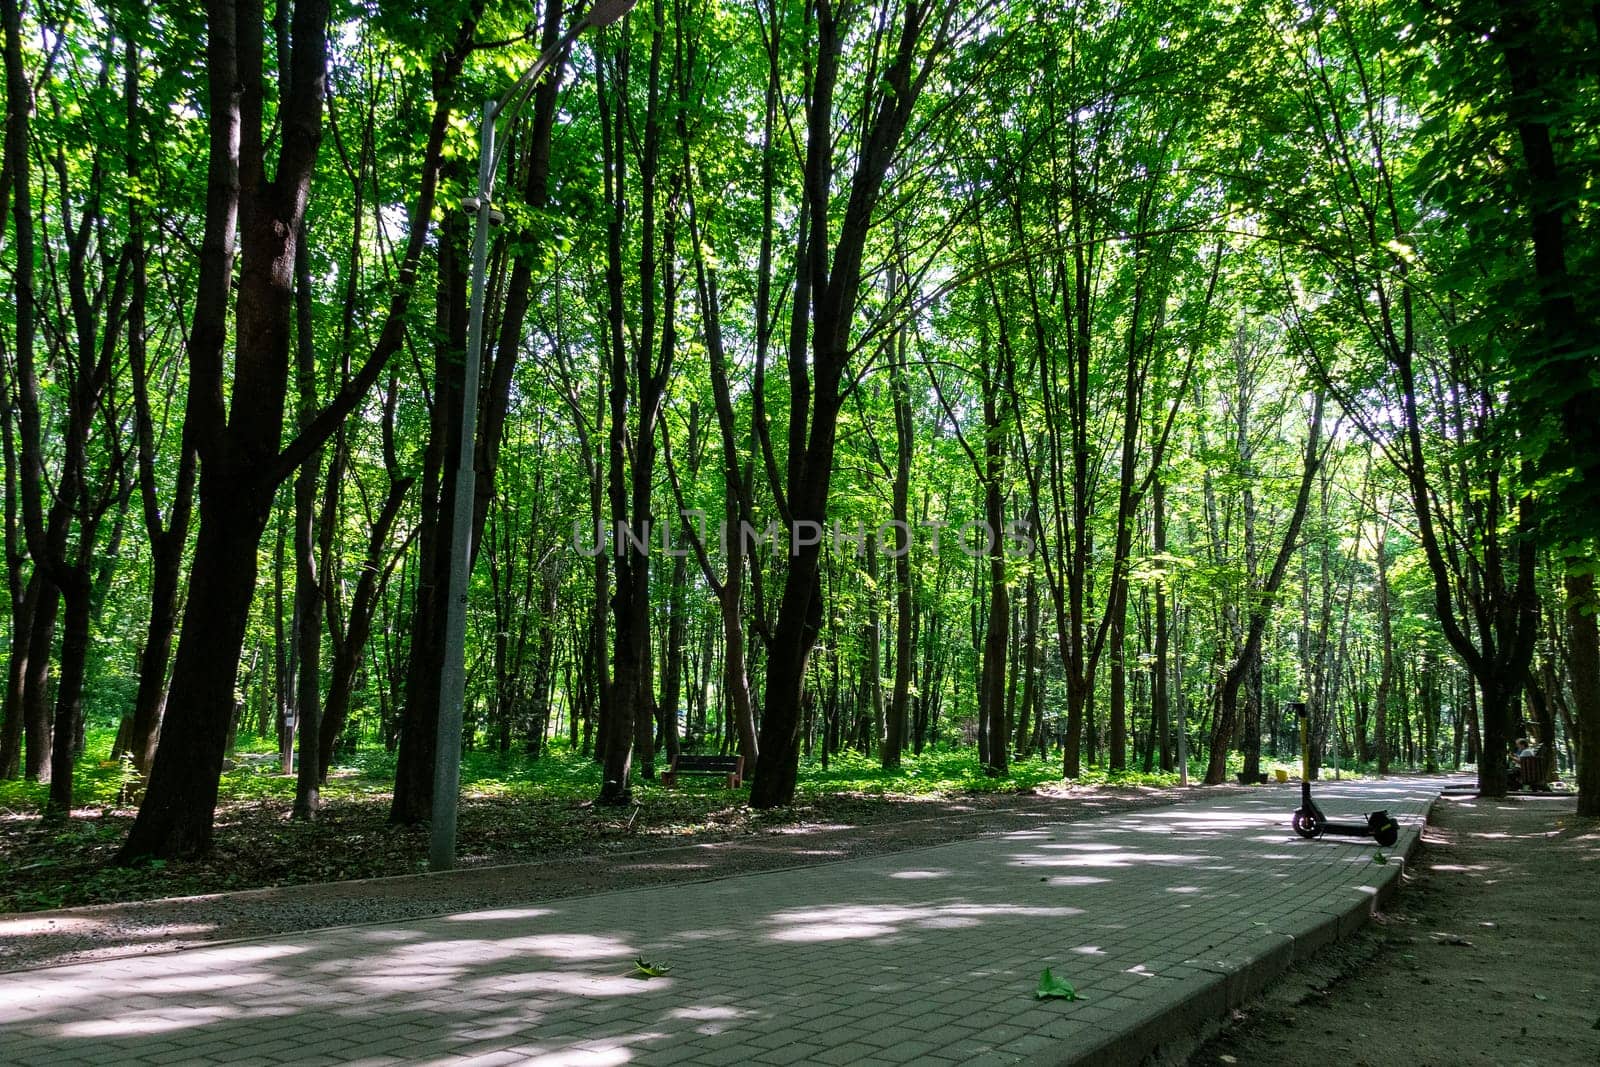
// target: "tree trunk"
[[310, 605], [167, 536], [69, 698], [628, 652], [894, 742], [996, 635], [349, 650], [826, 303], [1583, 639], [1027, 731], [874, 642], [239, 451], [1160, 702], [175, 818], [37, 710], [1386, 643], [11, 730], [1234, 676]]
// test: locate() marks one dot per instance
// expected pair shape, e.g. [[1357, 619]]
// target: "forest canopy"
[[1070, 381]]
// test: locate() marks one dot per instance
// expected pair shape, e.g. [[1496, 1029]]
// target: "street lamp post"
[[453, 677]]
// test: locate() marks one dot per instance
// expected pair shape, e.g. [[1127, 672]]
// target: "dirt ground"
[[1490, 955]]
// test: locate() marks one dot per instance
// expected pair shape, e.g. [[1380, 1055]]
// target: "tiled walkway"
[[1159, 917]]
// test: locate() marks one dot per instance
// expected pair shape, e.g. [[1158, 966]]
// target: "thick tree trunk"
[[1539, 46], [176, 816], [69, 698], [24, 594], [166, 571], [37, 711], [1244, 446], [1583, 638], [16, 670], [17, 167], [1252, 719], [239, 449]]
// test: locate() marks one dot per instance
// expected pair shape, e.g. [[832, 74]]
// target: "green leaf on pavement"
[[643, 968], [1051, 986]]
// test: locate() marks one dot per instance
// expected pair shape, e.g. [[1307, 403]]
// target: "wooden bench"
[[1534, 772], [730, 768]]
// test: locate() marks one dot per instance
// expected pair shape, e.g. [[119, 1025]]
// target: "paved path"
[[1160, 918]]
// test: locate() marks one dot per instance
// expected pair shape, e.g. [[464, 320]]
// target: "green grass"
[[96, 782], [564, 775], [948, 770], [255, 777], [514, 810]]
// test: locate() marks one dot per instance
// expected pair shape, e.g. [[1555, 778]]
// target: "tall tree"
[[909, 49], [242, 457], [1261, 604]]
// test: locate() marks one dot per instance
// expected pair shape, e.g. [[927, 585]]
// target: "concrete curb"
[[1204, 999]]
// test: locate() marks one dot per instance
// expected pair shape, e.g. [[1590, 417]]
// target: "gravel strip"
[[105, 931]]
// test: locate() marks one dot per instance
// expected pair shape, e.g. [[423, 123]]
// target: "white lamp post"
[[453, 678]]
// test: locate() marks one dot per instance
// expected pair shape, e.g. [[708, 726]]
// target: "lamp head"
[[605, 12]]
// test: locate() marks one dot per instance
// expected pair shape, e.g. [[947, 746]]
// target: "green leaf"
[[1379, 857], [1051, 986], [644, 969]]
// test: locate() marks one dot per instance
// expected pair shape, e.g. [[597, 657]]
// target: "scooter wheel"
[[1307, 825], [1383, 829]]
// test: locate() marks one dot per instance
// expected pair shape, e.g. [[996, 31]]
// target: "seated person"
[[1530, 761]]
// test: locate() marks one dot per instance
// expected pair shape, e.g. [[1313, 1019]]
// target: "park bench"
[[1535, 774], [729, 768]]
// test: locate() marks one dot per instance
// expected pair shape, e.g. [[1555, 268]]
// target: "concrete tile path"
[[1161, 918]]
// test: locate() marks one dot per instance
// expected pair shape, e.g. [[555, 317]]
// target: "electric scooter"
[[1309, 822]]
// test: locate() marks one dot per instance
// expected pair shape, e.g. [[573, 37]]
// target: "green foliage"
[[1131, 224]]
